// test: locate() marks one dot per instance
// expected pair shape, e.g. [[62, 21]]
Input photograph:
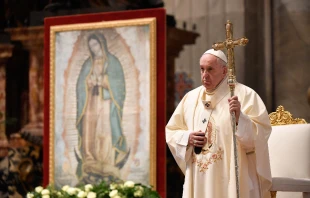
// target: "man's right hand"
[[197, 139]]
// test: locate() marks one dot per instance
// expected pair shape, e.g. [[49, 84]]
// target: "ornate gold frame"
[[151, 22], [282, 117]]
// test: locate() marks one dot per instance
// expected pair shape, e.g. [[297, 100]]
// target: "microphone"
[[197, 150]]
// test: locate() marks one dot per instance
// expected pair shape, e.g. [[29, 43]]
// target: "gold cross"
[[229, 44]]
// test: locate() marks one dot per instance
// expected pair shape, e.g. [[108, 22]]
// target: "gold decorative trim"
[[282, 117], [103, 24], [52, 108], [273, 194], [99, 25], [204, 163], [153, 95]]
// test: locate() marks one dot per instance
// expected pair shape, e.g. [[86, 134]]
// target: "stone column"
[[5, 54], [32, 39], [25, 147], [258, 50]]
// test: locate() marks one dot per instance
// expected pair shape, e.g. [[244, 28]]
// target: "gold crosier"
[[229, 44]]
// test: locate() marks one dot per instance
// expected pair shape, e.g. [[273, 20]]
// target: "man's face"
[[211, 71]]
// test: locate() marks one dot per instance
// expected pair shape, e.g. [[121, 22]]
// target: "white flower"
[[59, 193], [139, 188], [45, 196], [71, 191], [91, 195], [38, 189], [129, 184], [138, 193], [88, 187], [29, 195], [82, 194], [113, 186], [45, 192], [113, 193], [65, 188], [117, 196]]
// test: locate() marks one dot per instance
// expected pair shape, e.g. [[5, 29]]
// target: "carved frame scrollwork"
[[282, 117]]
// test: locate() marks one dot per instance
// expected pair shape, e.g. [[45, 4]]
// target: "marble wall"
[[207, 18], [275, 62], [291, 27]]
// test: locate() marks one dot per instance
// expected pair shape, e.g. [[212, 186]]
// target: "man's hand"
[[234, 106], [197, 139]]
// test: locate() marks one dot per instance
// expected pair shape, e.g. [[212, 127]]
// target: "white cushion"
[[290, 184], [289, 150]]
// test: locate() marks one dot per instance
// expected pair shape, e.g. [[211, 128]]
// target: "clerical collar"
[[213, 90], [210, 100]]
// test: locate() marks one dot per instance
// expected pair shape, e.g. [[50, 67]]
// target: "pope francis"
[[199, 135]]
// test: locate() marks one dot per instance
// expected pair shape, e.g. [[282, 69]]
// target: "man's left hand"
[[234, 106]]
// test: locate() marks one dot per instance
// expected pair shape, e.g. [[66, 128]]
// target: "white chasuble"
[[211, 174]]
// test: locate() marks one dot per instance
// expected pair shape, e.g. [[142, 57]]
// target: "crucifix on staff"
[[229, 44]]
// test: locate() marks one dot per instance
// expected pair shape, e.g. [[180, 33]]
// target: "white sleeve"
[[246, 132], [182, 148], [177, 134]]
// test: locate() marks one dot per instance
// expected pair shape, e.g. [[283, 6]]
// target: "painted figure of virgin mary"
[[100, 92]]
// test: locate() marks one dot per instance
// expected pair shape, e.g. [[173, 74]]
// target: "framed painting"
[[104, 116]]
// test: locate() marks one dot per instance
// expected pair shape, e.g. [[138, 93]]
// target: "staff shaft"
[[229, 44]]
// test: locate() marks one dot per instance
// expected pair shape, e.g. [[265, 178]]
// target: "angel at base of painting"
[[100, 97]]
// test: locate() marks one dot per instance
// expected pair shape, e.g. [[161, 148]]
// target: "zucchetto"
[[218, 53]]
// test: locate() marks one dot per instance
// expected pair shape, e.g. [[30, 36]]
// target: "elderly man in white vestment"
[[202, 120]]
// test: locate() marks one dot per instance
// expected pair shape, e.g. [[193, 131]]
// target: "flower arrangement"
[[126, 189]]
